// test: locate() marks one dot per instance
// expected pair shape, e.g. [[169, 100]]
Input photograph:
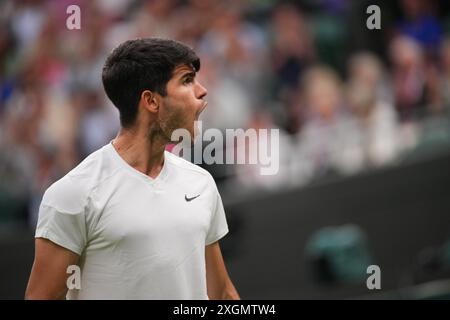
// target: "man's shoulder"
[[188, 167], [74, 188]]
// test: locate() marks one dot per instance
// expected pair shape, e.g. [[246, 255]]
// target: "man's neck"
[[142, 150]]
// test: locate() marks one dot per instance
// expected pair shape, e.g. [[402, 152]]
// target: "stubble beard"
[[162, 129]]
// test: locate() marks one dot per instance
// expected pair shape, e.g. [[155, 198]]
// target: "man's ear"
[[150, 101]]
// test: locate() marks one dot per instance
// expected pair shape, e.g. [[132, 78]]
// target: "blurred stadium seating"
[[364, 117]]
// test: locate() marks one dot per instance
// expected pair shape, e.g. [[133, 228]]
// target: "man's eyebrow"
[[188, 74]]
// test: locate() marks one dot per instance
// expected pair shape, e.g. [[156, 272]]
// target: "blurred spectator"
[[329, 139], [421, 23], [370, 101], [27, 22], [249, 175], [408, 72], [292, 48]]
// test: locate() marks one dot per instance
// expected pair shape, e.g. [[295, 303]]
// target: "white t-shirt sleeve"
[[62, 217], [218, 227]]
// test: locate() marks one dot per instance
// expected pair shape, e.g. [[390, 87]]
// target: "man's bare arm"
[[219, 285], [48, 275]]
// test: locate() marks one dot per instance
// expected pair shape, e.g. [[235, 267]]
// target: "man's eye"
[[188, 80]]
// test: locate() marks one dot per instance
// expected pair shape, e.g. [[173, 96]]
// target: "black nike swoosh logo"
[[190, 199]]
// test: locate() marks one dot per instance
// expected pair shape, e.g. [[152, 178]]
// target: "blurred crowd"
[[345, 98]]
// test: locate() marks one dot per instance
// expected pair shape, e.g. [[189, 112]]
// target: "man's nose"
[[201, 91]]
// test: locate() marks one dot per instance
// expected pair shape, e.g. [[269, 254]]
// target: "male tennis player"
[[140, 222]]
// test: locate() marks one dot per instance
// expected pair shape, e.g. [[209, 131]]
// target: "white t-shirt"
[[137, 237]]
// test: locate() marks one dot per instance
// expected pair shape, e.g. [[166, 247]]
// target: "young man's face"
[[183, 103]]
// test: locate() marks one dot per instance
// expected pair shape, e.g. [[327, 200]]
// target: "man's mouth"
[[204, 106], [201, 110]]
